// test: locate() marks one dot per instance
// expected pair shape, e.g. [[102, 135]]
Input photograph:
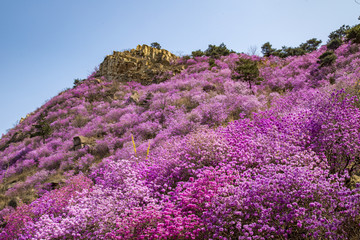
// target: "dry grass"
[[187, 102], [26, 195]]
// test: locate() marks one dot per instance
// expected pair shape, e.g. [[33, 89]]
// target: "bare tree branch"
[[252, 50]]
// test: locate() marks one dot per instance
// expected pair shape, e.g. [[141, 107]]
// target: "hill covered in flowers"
[[231, 147]]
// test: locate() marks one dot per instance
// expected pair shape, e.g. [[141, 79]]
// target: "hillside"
[[153, 146]]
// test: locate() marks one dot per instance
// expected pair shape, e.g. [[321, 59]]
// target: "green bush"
[[186, 57], [353, 34], [197, 53], [267, 50], [211, 63], [217, 51], [78, 81], [327, 58], [213, 51], [336, 37], [334, 43], [310, 45], [339, 33]]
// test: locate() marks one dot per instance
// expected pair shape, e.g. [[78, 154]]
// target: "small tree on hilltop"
[[217, 51], [155, 45], [353, 34], [336, 37], [197, 53], [267, 49], [339, 33], [310, 45]]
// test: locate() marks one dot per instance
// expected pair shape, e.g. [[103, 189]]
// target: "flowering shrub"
[[335, 132], [51, 203], [280, 202]]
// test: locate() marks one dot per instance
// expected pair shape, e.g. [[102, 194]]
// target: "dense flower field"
[[211, 158]]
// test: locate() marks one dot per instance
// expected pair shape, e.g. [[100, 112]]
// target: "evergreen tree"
[[248, 71], [197, 53], [310, 45], [217, 51], [353, 34], [336, 37], [43, 128], [267, 50], [339, 33]]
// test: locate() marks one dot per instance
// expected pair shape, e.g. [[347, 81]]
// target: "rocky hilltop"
[[144, 64]]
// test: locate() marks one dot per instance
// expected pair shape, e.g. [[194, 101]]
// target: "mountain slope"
[[185, 151]]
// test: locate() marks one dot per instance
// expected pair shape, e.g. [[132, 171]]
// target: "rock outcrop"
[[81, 141], [144, 64]]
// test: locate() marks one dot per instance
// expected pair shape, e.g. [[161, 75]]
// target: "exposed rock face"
[[355, 179], [144, 64], [209, 88], [23, 119], [81, 141]]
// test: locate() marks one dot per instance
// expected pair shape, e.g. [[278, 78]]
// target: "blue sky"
[[46, 44]]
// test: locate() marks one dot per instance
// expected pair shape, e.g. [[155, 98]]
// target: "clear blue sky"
[[46, 44]]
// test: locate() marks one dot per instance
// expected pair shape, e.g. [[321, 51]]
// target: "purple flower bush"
[[198, 156], [280, 202], [50, 204]]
